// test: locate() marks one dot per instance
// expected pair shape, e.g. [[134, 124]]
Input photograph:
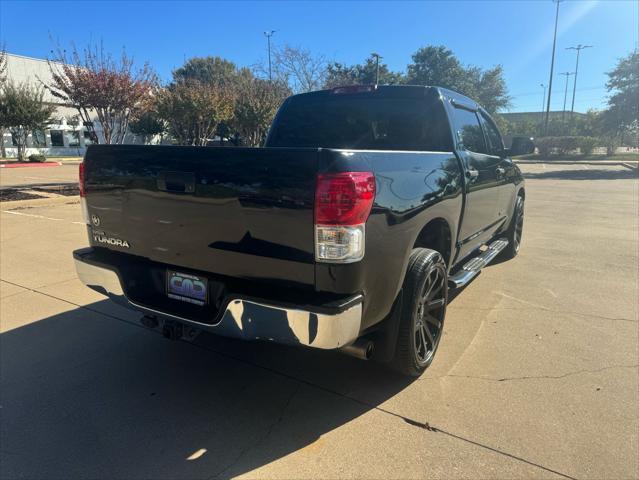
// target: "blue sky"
[[516, 34]]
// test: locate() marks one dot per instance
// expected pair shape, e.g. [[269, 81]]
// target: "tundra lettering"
[[100, 237]]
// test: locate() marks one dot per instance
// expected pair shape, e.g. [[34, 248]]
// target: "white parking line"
[[40, 216], [51, 179]]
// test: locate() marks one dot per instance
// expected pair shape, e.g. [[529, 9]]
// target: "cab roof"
[[396, 91]]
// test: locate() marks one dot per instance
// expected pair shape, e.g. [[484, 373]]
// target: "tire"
[[421, 327], [515, 230]]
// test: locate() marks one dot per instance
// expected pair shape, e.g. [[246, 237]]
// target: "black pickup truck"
[[346, 231]]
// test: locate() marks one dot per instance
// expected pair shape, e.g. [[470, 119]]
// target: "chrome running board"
[[472, 267]]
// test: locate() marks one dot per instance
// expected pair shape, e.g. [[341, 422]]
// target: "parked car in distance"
[[346, 231]]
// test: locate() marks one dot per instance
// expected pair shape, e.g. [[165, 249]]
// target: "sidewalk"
[[633, 164]]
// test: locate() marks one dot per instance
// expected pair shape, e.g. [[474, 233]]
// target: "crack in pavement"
[[303, 381], [74, 304], [533, 377], [543, 307], [547, 309], [426, 426], [263, 438]]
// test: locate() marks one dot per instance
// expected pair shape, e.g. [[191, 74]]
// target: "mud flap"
[[386, 337]]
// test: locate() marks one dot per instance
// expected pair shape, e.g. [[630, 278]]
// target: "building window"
[[57, 138], [38, 139], [14, 139], [74, 138]]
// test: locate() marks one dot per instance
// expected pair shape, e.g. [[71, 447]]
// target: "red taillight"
[[81, 179], [344, 198]]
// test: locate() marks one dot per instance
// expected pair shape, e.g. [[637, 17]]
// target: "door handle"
[[176, 182], [472, 174], [500, 171]]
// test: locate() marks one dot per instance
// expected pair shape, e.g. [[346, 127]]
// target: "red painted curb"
[[19, 165]]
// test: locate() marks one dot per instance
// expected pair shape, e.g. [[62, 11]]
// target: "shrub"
[[565, 145], [544, 145], [37, 157], [611, 143], [587, 145]]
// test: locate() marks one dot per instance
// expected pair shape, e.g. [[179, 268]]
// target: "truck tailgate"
[[238, 212]]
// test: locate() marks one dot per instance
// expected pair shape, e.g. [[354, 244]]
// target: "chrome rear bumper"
[[246, 319]]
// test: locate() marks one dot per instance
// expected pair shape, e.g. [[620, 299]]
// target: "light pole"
[[377, 57], [578, 48], [567, 74], [543, 102], [552, 66], [268, 35]]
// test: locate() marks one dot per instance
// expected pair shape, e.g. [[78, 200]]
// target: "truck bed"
[[243, 218]]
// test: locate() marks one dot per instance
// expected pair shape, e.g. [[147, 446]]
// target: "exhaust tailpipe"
[[361, 348]]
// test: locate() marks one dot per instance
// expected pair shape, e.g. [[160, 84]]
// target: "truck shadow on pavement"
[[593, 173], [88, 396]]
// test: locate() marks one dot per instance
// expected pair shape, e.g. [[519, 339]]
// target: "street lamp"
[[377, 57], [578, 49], [567, 74], [552, 66], [268, 35], [543, 102]]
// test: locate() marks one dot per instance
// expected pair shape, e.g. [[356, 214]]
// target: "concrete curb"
[[30, 165], [576, 162], [39, 202]]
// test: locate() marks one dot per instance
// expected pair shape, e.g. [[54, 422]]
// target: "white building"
[[66, 136]]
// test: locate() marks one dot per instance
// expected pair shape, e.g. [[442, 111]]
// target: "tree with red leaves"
[[97, 85]]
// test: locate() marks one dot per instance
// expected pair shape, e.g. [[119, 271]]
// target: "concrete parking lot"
[[537, 375], [38, 175]]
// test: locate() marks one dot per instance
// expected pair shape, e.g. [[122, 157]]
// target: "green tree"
[[23, 110], [623, 84], [509, 128], [147, 125], [488, 88], [256, 105], [621, 119], [193, 110], [438, 66], [339, 74], [209, 70], [3, 79], [199, 102]]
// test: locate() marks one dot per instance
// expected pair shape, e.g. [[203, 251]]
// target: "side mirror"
[[521, 146]]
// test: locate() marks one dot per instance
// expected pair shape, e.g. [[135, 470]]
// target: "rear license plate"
[[186, 288]]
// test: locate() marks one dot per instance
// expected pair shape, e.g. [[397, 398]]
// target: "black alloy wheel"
[[425, 296], [429, 319], [519, 222], [515, 230]]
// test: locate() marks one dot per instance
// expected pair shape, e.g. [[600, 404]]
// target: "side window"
[[495, 144], [469, 133]]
